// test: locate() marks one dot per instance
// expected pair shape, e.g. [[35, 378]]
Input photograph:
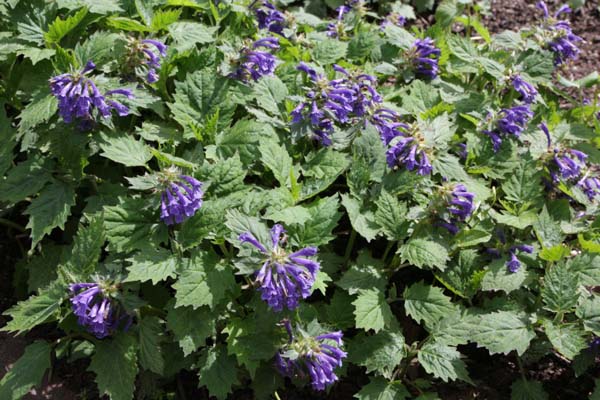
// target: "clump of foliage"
[[267, 198]]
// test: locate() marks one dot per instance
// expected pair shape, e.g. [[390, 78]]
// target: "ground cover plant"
[[278, 198]]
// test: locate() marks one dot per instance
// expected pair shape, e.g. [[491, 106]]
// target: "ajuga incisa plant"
[[259, 199]]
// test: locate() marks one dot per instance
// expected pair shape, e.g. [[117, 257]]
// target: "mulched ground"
[[493, 375]]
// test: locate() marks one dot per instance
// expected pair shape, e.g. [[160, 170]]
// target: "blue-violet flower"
[[181, 197]]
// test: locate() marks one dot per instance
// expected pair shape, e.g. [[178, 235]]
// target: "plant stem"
[[11, 224], [349, 247]]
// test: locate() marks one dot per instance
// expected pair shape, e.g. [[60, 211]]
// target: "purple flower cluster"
[[268, 16], [284, 278], [317, 357], [526, 90], [513, 264], [180, 199], [571, 165], [151, 60], [423, 56], [254, 64], [337, 29], [513, 121], [405, 148], [93, 309], [78, 96], [344, 100], [562, 40], [460, 206]]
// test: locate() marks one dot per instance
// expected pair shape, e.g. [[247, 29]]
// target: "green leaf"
[[35, 310], [547, 230], [560, 288], [126, 24], [589, 311], [443, 362], [27, 372], [243, 138], [125, 150], [447, 11], [371, 311], [568, 340], [100, 47], [322, 170], [427, 303], [524, 186], [156, 265], [253, 339], [163, 18], [498, 277], [364, 275], [528, 390], [555, 253], [270, 92], [203, 281], [225, 176], [40, 110], [218, 372], [423, 252], [391, 216], [363, 221], [86, 248], [190, 327], [151, 356], [328, 51], [130, 226], [276, 158], [502, 332], [381, 389], [399, 37], [26, 179], [187, 34], [115, 364], [520, 221], [317, 229], [587, 267], [596, 394], [36, 55], [381, 352], [50, 210], [61, 27]]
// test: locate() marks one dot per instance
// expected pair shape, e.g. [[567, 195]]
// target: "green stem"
[[349, 247], [387, 250], [277, 396]]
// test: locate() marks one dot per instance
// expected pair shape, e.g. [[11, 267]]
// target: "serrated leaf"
[[203, 281], [270, 92], [115, 364], [26, 179], [423, 252], [190, 327], [155, 265], [381, 352], [443, 362], [560, 288], [524, 186], [547, 230], [328, 51], [503, 332], [27, 372], [86, 248], [218, 372], [35, 310], [322, 170], [427, 303], [363, 221], [243, 138], [61, 27], [371, 311], [498, 277], [276, 158], [568, 340], [187, 34], [151, 356], [380, 389], [125, 150], [391, 216], [527, 390], [225, 176], [317, 229], [589, 311], [50, 210], [40, 110], [587, 267], [362, 276]]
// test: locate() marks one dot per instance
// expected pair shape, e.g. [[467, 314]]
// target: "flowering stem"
[[349, 246]]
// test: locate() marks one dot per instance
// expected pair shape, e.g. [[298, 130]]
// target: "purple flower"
[[526, 90], [561, 39], [590, 186], [268, 17], [317, 357], [180, 199], [254, 64], [388, 124], [514, 264], [337, 29], [424, 58], [78, 97], [93, 308], [514, 120], [544, 129], [150, 48], [284, 278], [406, 151], [569, 163]]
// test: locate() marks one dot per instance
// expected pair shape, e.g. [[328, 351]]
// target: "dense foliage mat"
[[276, 199]]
